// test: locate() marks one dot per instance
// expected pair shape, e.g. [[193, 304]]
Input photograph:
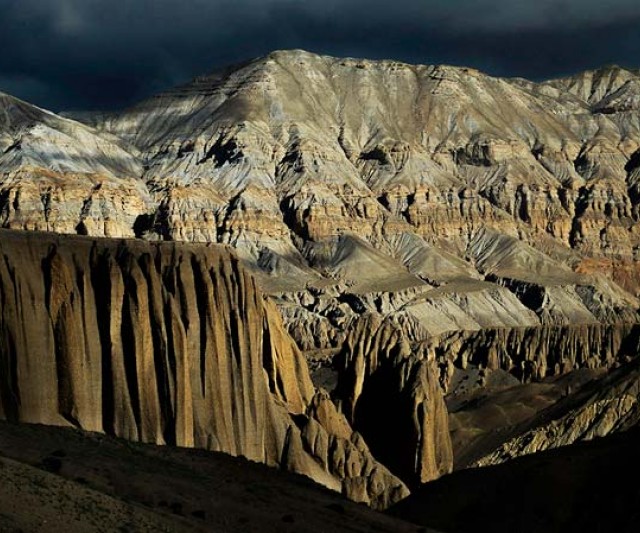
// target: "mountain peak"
[[595, 86]]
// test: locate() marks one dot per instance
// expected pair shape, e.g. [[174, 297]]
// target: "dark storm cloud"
[[109, 53]]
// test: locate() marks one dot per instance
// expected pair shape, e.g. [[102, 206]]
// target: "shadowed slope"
[[585, 487], [82, 482]]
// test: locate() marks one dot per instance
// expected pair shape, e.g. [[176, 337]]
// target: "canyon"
[[366, 272], [167, 344]]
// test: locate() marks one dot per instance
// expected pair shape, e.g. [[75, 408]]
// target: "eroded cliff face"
[[59, 175], [286, 154], [392, 377], [169, 344], [533, 354], [391, 394], [477, 224]]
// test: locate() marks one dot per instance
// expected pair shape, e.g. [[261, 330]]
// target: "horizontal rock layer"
[[285, 154], [59, 175]]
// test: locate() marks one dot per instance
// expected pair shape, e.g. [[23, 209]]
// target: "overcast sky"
[[107, 54]]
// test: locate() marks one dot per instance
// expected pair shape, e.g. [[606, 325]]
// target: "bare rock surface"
[[413, 224], [393, 397], [59, 175], [285, 154]]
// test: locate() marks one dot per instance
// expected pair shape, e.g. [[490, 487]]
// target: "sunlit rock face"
[[59, 175], [169, 344], [286, 153]]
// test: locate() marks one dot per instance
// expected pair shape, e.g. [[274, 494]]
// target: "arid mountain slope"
[[316, 147], [599, 408], [59, 175], [414, 225], [387, 176]]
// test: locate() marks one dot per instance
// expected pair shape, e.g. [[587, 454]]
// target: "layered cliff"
[[59, 175], [373, 173], [168, 344], [392, 377], [533, 354], [283, 155], [380, 148]]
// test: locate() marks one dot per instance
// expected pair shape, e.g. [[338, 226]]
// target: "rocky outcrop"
[[394, 399], [475, 222], [602, 407], [536, 353], [59, 175], [392, 374], [168, 344]]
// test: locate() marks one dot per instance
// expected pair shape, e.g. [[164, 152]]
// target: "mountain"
[[59, 175], [387, 177], [320, 147], [426, 237]]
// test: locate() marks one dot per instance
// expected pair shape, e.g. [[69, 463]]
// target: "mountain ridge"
[[416, 227]]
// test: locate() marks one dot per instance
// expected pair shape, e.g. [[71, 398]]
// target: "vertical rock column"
[[392, 396]]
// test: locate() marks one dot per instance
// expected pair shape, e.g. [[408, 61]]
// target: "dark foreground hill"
[[61, 479], [586, 487]]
